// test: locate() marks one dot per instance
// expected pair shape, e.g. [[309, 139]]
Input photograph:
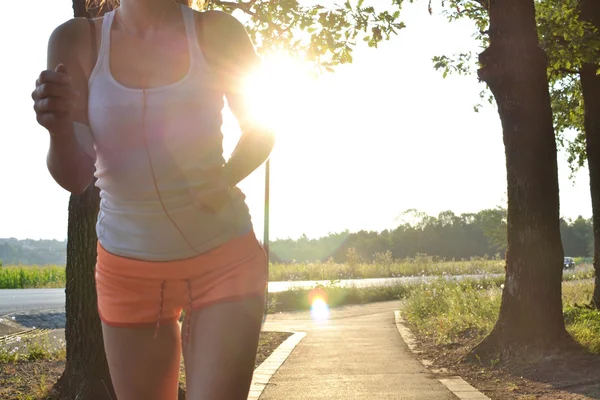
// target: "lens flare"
[[319, 309]]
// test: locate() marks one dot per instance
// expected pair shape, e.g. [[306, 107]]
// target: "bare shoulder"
[[220, 20], [69, 34], [224, 40], [222, 30], [70, 42]]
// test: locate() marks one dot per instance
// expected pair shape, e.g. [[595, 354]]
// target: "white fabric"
[[84, 137], [183, 134]]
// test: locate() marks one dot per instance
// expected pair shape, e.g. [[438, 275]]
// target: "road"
[[19, 300], [16, 300]]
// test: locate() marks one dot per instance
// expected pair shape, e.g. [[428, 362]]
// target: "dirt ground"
[[31, 380], [567, 376]]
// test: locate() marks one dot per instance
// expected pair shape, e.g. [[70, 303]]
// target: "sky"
[[355, 148]]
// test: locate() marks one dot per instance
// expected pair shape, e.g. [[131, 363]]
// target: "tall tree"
[[514, 68], [570, 32], [573, 47], [590, 87], [324, 35]]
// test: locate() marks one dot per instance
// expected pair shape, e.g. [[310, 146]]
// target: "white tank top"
[[183, 134]]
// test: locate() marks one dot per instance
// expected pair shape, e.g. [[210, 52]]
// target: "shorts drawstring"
[[188, 311], [160, 307], [188, 315]]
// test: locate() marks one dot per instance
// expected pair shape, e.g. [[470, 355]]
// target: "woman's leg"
[[141, 366], [221, 349]]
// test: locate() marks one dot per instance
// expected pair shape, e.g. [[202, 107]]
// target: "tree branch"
[[246, 7], [485, 4], [568, 71]]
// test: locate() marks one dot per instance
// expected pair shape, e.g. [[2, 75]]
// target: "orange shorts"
[[134, 293]]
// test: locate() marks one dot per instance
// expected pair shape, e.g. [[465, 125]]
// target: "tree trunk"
[[514, 67], [86, 373], [590, 85]]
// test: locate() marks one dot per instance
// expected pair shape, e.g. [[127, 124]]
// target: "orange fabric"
[[134, 292]]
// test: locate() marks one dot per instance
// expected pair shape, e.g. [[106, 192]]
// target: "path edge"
[[268, 368], [458, 386]]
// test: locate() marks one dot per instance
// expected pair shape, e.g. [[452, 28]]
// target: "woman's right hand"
[[54, 101]]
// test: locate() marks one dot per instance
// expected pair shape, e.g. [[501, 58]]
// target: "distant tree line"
[[32, 252], [448, 236]]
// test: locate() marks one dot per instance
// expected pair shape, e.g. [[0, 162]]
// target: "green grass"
[[20, 277], [31, 348], [580, 273], [447, 312], [385, 267], [335, 296]]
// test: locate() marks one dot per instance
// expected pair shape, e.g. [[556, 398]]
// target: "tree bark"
[[86, 373], [514, 67], [590, 85]]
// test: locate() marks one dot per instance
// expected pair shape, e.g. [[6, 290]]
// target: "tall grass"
[[384, 267], [451, 312], [21, 277], [300, 299], [32, 277]]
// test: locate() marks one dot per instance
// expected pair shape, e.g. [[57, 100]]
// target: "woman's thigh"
[[221, 350], [141, 365]]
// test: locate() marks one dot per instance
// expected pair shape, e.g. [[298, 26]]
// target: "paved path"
[[356, 354]]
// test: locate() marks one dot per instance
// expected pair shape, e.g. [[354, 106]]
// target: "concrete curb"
[[458, 386], [269, 367]]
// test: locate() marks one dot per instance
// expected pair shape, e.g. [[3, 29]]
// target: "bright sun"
[[281, 92]]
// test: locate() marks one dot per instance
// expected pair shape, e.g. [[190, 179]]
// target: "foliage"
[[30, 348], [448, 312], [584, 324], [568, 43], [324, 34], [447, 236], [420, 265], [29, 251], [577, 237], [335, 296], [32, 277]]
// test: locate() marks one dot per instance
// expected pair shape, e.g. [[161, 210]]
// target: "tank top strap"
[[104, 50], [105, 39], [192, 34]]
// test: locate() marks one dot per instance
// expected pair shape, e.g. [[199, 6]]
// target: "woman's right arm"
[[60, 103]]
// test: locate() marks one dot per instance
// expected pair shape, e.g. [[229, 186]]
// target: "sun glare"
[[280, 92], [319, 310]]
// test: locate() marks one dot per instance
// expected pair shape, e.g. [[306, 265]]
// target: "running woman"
[[134, 99]]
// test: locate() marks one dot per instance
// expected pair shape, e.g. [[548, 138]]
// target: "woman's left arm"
[[232, 56]]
